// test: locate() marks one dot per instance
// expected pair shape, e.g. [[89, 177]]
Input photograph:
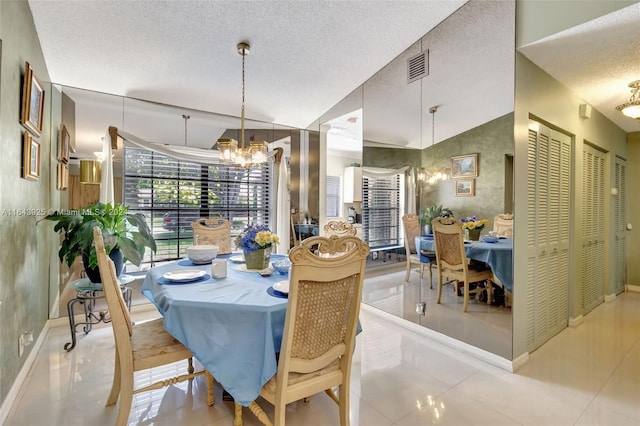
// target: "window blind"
[[173, 193], [333, 196], [382, 206]]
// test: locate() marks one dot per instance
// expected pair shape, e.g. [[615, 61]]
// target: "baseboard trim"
[[609, 297], [520, 361], [575, 322], [450, 342], [16, 387], [632, 288]]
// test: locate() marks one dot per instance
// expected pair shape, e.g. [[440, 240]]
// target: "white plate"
[[237, 259], [282, 286], [184, 275], [266, 271]]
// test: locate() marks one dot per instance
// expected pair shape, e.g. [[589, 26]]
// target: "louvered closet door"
[[548, 185], [621, 227], [593, 225]]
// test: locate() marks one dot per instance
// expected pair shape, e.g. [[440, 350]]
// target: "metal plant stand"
[[87, 293]]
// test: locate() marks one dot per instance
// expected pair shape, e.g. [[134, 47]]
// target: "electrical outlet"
[[20, 346]]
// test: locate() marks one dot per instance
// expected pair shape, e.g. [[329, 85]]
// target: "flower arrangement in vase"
[[256, 242], [474, 225]]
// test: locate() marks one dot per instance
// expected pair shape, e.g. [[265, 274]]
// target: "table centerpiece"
[[474, 225], [256, 242]]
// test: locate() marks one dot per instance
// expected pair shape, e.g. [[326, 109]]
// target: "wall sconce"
[[632, 108], [90, 171]]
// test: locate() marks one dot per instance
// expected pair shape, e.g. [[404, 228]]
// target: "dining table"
[[498, 255], [233, 325]]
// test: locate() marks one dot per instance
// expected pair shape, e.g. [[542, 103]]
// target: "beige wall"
[[28, 250], [633, 208]]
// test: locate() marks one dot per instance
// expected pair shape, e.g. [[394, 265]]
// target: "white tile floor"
[[589, 375]]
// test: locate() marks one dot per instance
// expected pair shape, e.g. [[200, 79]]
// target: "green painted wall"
[[26, 252], [491, 141], [541, 96], [633, 209]]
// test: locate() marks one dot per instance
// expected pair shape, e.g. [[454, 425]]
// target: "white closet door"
[[621, 227], [548, 185], [593, 226]]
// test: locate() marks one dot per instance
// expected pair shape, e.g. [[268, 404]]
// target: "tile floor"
[[589, 375]]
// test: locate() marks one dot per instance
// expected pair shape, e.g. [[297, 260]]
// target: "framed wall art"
[[464, 166], [465, 187], [62, 182], [30, 157], [32, 102], [63, 145]]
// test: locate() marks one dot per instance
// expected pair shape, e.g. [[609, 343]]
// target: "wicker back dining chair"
[[452, 260], [339, 228], [138, 347], [215, 231], [411, 226], [503, 225], [320, 326]]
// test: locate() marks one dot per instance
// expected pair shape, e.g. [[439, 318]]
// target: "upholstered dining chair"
[[339, 228], [452, 260], [140, 346], [320, 326], [503, 225], [411, 226], [215, 231]]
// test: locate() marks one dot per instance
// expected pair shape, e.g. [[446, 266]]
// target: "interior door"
[[621, 226], [593, 227]]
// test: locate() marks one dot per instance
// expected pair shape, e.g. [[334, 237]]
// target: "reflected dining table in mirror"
[[498, 255], [232, 325]]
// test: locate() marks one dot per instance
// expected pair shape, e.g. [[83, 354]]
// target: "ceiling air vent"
[[418, 66]]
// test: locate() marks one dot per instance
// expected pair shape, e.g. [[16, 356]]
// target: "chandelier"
[[433, 175], [632, 108], [242, 156]]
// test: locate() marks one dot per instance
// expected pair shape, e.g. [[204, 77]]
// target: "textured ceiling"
[[308, 55], [305, 55], [597, 60]]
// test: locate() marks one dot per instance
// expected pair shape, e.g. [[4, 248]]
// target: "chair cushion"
[[270, 387], [150, 339]]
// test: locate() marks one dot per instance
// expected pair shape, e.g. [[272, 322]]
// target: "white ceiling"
[[597, 60], [308, 55]]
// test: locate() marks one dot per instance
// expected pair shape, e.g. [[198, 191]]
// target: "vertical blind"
[[382, 206], [173, 193]]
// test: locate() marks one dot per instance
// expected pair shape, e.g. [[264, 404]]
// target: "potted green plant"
[[126, 235], [430, 213]]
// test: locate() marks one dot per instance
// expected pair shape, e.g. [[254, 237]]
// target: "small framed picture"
[[30, 157], [63, 145], [63, 177], [465, 187], [32, 102], [464, 166]]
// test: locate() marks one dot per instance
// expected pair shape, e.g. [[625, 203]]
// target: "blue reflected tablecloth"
[[231, 325], [499, 256]]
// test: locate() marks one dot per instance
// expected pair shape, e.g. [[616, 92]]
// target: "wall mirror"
[[470, 80]]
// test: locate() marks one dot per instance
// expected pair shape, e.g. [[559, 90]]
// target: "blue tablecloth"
[[231, 325], [499, 256]]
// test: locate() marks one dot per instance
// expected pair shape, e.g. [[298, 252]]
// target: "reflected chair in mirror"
[[215, 231], [453, 263], [339, 228], [503, 225], [411, 226], [140, 346], [320, 326]]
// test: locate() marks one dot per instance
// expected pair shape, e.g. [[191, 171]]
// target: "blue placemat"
[[187, 262], [163, 280], [276, 293]]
